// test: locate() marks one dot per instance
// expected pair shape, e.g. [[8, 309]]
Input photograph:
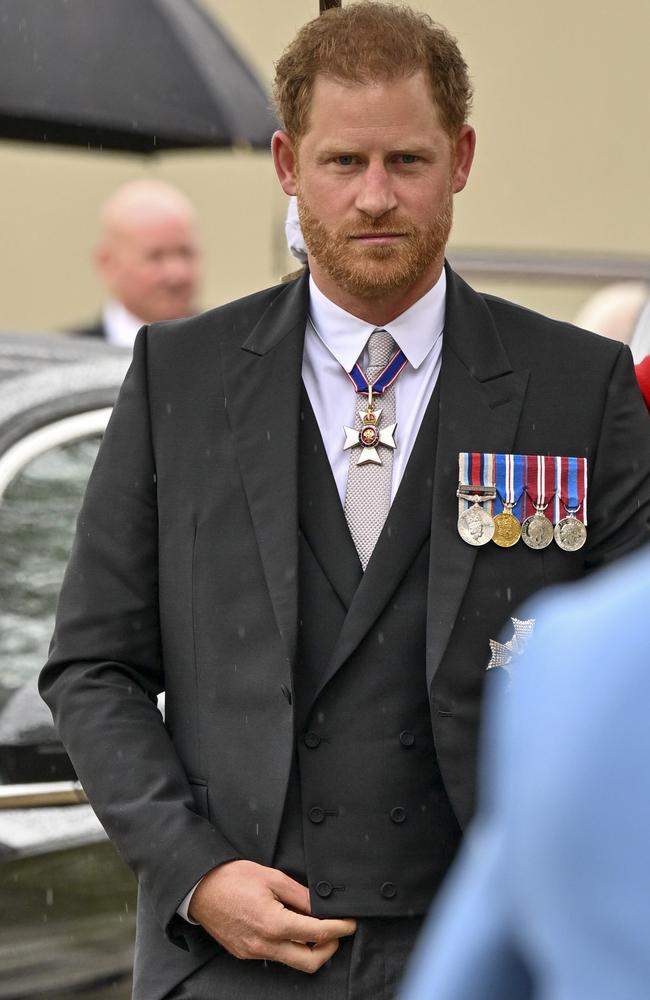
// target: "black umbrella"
[[137, 75]]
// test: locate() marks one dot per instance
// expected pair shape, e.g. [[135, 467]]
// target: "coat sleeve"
[[619, 477], [105, 669]]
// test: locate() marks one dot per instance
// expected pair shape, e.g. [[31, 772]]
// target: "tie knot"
[[380, 347]]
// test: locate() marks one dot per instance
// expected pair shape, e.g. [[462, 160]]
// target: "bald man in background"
[[148, 258]]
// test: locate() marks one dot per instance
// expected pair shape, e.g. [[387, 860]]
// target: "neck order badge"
[[368, 492], [370, 435]]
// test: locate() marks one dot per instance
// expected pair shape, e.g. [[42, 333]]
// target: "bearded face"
[[374, 173], [367, 270]]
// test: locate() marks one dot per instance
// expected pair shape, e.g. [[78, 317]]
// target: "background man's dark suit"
[[184, 575], [91, 330]]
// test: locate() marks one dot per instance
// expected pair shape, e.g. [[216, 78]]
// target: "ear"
[[102, 259], [463, 149], [285, 161]]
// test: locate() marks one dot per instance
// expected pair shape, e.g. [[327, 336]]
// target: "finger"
[[303, 958], [290, 892], [297, 927]]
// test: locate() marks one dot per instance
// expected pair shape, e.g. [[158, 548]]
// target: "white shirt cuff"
[[183, 909]]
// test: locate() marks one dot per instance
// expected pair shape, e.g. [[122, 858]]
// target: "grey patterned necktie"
[[367, 496]]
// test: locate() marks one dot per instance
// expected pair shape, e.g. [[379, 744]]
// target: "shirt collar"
[[120, 325], [415, 331]]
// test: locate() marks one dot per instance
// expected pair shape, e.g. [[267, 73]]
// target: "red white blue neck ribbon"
[[385, 378]]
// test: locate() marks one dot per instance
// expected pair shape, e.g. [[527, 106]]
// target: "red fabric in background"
[[643, 377]]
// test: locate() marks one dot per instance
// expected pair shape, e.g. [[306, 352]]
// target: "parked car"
[[67, 901]]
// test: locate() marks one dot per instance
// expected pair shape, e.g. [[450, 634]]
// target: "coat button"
[[324, 889], [316, 814], [398, 814], [387, 889], [311, 740], [406, 738]]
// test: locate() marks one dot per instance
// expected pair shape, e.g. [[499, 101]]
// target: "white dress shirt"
[[333, 345], [640, 342], [120, 325], [334, 341]]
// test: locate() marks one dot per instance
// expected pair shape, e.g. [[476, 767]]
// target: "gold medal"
[[507, 529], [509, 484]]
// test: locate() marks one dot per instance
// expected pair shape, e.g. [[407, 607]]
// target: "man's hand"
[[261, 913]]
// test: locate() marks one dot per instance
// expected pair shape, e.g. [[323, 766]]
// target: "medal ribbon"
[[571, 487], [462, 468], [540, 482], [488, 473], [385, 378], [509, 484], [476, 468]]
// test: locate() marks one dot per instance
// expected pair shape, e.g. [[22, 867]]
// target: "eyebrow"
[[403, 150]]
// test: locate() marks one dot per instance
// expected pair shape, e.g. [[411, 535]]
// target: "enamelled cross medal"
[[370, 435]]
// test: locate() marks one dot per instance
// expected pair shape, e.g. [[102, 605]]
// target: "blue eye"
[[345, 161], [408, 158]]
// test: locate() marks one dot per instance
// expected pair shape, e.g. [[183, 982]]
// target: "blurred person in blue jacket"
[[550, 897]]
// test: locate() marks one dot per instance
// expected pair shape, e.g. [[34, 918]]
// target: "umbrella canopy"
[[135, 75]]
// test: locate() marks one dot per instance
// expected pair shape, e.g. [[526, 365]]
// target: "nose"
[[179, 269], [376, 196]]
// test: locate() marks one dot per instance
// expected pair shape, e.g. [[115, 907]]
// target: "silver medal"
[[537, 531], [475, 525], [570, 533]]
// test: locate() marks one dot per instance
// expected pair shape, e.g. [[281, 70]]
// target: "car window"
[[38, 512]]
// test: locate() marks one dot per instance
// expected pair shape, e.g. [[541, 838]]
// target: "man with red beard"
[[270, 536]]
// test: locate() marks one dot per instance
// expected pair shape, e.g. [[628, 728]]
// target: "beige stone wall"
[[563, 161]]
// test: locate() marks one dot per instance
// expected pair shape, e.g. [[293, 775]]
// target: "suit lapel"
[[322, 520], [262, 382], [480, 406]]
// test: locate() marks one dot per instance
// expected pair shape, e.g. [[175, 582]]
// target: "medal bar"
[[540, 498]]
